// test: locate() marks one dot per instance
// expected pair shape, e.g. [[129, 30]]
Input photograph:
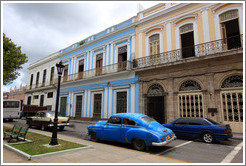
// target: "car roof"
[[129, 115]]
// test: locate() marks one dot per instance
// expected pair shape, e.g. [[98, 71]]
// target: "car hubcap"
[[139, 144], [208, 138]]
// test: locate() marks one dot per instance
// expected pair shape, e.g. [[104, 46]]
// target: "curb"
[[29, 157]]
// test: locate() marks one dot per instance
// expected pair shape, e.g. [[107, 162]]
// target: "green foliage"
[[82, 42], [12, 60]]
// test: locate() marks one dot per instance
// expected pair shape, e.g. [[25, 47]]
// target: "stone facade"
[[208, 72]]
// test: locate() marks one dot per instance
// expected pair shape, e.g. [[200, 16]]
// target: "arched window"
[[233, 82], [155, 90], [154, 44], [230, 29], [189, 86], [232, 102], [190, 101]]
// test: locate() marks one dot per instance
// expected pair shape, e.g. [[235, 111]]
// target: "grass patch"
[[36, 146]]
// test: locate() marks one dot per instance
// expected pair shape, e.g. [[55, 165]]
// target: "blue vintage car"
[[195, 127], [134, 128]]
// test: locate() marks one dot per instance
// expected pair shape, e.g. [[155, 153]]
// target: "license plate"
[[59, 122], [168, 137]]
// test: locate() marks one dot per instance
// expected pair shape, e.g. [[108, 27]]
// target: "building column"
[[170, 101], [206, 33]]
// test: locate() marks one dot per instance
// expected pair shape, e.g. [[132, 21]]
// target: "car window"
[[114, 120], [147, 119], [181, 121], [194, 121], [212, 121], [42, 114], [128, 121]]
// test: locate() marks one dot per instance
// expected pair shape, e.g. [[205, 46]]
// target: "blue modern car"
[[133, 128], [204, 128]]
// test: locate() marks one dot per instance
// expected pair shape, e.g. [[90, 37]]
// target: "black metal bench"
[[16, 132]]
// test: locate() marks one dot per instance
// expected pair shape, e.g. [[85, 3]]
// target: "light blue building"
[[98, 80]]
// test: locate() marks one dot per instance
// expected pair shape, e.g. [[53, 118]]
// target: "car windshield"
[[147, 119], [212, 121]]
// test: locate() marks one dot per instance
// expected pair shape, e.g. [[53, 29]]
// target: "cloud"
[[42, 29]]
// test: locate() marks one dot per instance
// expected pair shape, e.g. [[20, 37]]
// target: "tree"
[[12, 60]]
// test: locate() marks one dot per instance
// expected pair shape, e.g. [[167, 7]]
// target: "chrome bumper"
[[163, 143], [59, 124]]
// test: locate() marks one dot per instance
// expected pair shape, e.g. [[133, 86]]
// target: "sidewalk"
[[100, 153]]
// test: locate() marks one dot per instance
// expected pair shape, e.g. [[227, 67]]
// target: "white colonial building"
[[41, 88]]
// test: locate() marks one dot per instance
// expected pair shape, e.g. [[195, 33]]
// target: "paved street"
[[194, 151]]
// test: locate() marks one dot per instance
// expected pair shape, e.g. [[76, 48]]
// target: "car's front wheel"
[[29, 124], [139, 144], [93, 137], [208, 137]]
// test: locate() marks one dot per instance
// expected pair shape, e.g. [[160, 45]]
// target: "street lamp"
[[54, 132]]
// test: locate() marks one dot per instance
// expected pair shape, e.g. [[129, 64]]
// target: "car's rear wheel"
[[93, 137], [208, 137], [139, 144], [43, 127]]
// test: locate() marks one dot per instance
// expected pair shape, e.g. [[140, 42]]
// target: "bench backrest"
[[24, 130], [16, 129]]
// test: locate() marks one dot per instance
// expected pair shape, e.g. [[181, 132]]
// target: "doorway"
[[42, 100], [187, 42], [63, 106], [230, 30], [79, 99], [155, 103], [97, 106], [156, 108], [29, 100], [122, 58]]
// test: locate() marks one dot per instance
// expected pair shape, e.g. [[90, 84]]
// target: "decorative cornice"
[[186, 16]]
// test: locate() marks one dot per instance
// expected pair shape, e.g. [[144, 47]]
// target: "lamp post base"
[[53, 141]]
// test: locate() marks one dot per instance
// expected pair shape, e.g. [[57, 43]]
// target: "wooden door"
[[97, 106], [78, 111]]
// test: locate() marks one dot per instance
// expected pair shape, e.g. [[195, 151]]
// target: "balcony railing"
[[45, 84], [209, 48], [204, 49], [121, 66]]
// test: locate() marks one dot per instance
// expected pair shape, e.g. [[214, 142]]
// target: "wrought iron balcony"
[[40, 85], [205, 49], [118, 67]]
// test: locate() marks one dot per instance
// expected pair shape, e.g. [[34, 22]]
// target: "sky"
[[42, 29]]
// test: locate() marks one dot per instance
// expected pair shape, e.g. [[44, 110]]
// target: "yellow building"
[[189, 59]]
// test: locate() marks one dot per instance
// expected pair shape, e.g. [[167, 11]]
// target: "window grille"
[[232, 105], [189, 86], [229, 15], [122, 50], [99, 57], [186, 28], [233, 82], [155, 90], [191, 105], [190, 102]]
